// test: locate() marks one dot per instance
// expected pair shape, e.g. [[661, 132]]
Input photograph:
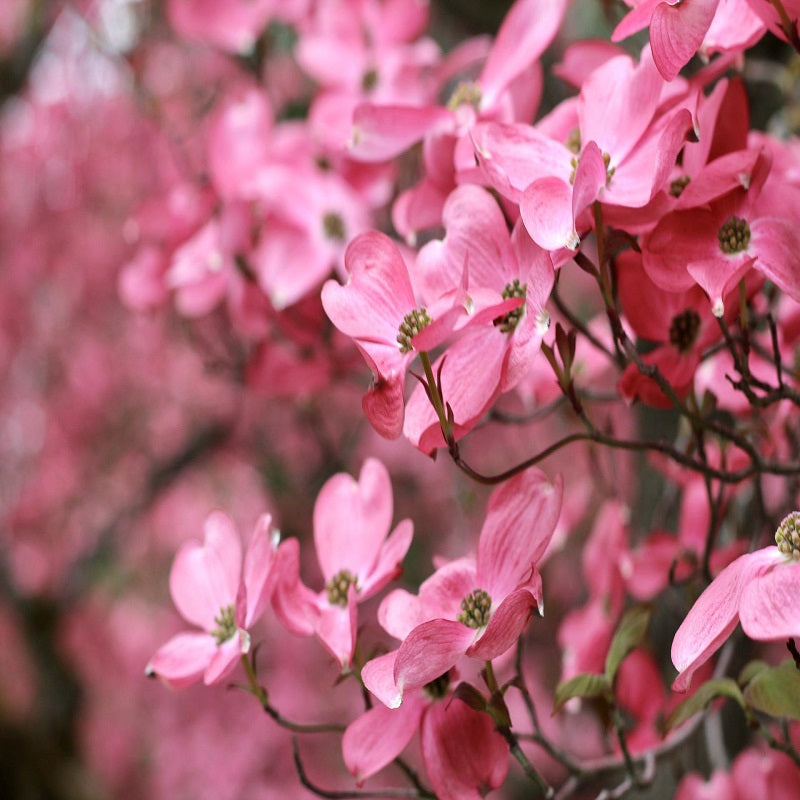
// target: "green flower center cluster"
[[678, 185], [734, 235], [787, 537], [412, 324], [467, 93], [369, 80], [509, 321], [574, 141], [437, 688], [475, 609], [226, 624], [337, 587], [333, 225], [684, 328]]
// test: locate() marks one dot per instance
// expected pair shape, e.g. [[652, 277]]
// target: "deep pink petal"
[[351, 520], [590, 179], [464, 755], [520, 521], [713, 617], [205, 578], [379, 735], [777, 242], [506, 624], [677, 31], [183, 659], [769, 609], [384, 405], [429, 651]]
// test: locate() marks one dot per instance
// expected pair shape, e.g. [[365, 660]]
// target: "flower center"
[[787, 537], [412, 324], [606, 160], [684, 328], [466, 93], [437, 688], [574, 141], [333, 225], [369, 80], [475, 609], [734, 235], [337, 587], [226, 625], [678, 185], [509, 321]]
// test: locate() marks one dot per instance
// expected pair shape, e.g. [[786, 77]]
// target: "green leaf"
[[719, 687], [750, 670], [583, 685], [630, 633], [499, 710], [776, 690]]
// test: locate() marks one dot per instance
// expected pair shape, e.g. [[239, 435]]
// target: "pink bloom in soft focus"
[[758, 589], [212, 590], [356, 557], [478, 605]]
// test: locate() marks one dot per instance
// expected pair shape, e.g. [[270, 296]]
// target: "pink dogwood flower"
[[759, 590], [356, 557], [462, 751], [477, 605], [213, 590]]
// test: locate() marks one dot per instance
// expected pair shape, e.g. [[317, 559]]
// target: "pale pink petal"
[[636, 19], [205, 578], [724, 174], [617, 103], [464, 754], [429, 651], [182, 660], [388, 565], [520, 521], [713, 617], [337, 628], [590, 179], [471, 376], [546, 210], [378, 677], [259, 575], [506, 624], [226, 657], [418, 209], [527, 30], [769, 609], [400, 612], [379, 735], [383, 132], [294, 604], [677, 31], [351, 520]]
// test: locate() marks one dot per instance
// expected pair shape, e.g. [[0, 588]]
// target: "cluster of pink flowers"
[[334, 237]]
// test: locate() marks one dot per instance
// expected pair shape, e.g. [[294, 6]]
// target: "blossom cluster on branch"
[[534, 294]]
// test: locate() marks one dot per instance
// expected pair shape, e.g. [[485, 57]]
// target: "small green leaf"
[[750, 670], [719, 687], [583, 685], [776, 690], [630, 633], [499, 710]]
